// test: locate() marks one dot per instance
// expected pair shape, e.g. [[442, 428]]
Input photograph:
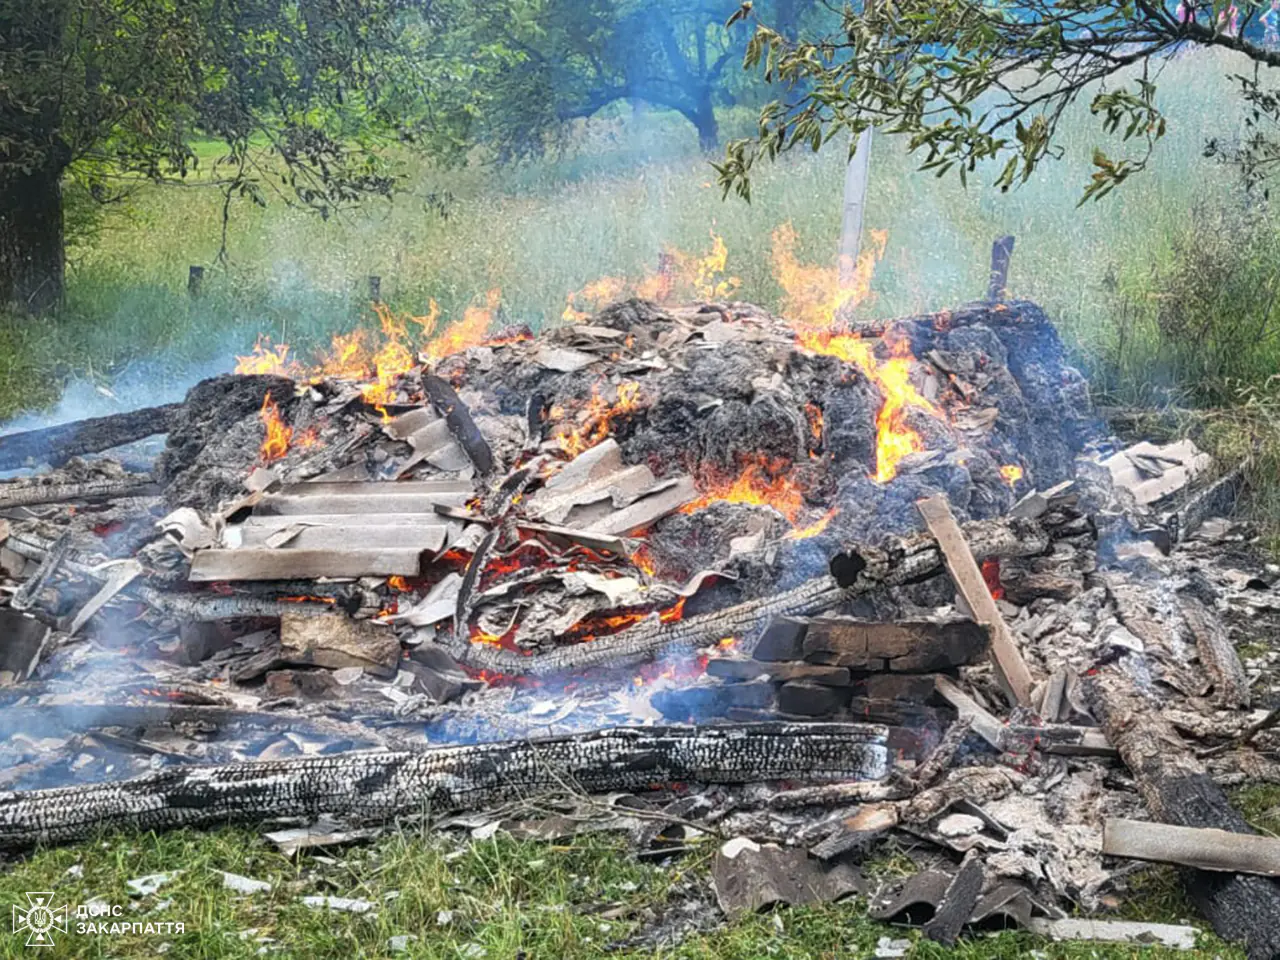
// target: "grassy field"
[[1164, 289], [494, 899]]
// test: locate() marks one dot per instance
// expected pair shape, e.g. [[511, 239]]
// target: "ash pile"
[[894, 581]]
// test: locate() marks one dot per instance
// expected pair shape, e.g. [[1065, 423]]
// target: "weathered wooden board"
[[1200, 847], [905, 646], [964, 571], [364, 498], [263, 563]]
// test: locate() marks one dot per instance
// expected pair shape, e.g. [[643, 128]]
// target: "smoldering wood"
[[903, 646], [265, 563], [446, 403], [382, 786], [27, 494], [1177, 790], [1056, 738], [23, 642], [1010, 666], [1217, 654], [57, 445], [337, 641], [203, 608], [1216, 500], [1199, 847], [855, 571], [24, 598]]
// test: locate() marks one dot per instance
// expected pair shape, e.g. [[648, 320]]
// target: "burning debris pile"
[[901, 558]]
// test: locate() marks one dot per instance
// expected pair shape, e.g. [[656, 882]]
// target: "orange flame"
[[679, 274], [816, 298], [595, 420], [763, 481], [267, 359], [467, 332], [275, 443], [804, 533]]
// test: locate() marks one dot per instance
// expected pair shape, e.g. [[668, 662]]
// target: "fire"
[[267, 359], [378, 363], [991, 576], [643, 560], [763, 481], [467, 332], [1011, 473], [679, 274], [596, 418], [275, 443], [804, 533], [399, 584], [816, 299]]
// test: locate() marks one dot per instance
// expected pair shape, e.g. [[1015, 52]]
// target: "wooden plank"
[[964, 571], [261, 563], [905, 646], [1201, 847], [345, 537], [983, 723]]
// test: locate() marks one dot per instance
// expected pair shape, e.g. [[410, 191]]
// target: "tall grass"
[[1128, 280]]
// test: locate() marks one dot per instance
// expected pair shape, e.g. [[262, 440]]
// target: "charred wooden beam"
[[1177, 790], [26, 494], [57, 445], [446, 403], [1001, 255], [381, 786], [858, 569]]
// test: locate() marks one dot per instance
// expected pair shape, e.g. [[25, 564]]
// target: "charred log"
[[57, 445], [1177, 790], [380, 786]]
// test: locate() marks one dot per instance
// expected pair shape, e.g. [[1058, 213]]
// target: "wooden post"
[[856, 177], [195, 280], [1001, 252], [375, 288]]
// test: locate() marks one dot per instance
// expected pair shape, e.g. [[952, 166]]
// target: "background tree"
[[537, 64], [970, 81], [299, 92]]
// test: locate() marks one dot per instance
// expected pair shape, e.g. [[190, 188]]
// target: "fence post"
[[195, 281], [1001, 252], [375, 288]]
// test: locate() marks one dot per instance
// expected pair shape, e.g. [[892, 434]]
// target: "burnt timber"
[[57, 445], [382, 786]]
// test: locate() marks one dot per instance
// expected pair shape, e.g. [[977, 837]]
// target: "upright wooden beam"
[[1010, 666], [856, 178], [1001, 254]]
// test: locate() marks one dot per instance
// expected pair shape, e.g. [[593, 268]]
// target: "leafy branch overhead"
[[970, 82]]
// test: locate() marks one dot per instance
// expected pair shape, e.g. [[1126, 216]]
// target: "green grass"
[[632, 186], [496, 898]]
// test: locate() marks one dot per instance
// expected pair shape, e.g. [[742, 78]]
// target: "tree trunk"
[[703, 117], [31, 241]]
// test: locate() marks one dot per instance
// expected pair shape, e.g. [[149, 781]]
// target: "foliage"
[[968, 82], [532, 65], [114, 90]]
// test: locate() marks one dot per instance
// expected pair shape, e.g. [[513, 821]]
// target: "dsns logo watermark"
[[40, 919]]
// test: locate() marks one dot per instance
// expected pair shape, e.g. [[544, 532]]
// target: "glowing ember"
[[804, 533], [275, 442], [727, 643], [643, 560], [764, 482], [991, 575], [1011, 473], [399, 584]]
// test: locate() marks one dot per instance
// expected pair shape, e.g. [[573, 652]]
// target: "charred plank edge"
[[446, 402], [56, 445], [381, 786]]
